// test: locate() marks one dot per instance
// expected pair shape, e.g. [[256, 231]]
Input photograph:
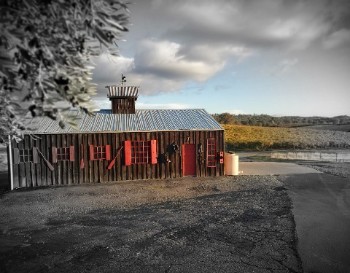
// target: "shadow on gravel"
[[241, 231]]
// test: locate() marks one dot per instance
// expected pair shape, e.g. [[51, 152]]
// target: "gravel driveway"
[[226, 224]]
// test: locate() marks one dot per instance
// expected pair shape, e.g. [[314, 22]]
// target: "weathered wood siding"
[[123, 105], [84, 170]]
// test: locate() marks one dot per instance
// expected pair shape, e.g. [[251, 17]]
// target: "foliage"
[[45, 50], [240, 137], [286, 121]]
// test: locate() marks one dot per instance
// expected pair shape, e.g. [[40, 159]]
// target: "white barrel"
[[231, 164]]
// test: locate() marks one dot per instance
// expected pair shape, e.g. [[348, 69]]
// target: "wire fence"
[[313, 156]]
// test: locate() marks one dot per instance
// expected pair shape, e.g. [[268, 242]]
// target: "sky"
[[275, 57]]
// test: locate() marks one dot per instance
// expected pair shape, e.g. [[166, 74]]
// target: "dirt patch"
[[227, 224]]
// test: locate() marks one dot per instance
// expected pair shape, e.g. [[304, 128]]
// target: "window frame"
[[25, 154], [140, 152], [66, 153], [100, 152], [63, 153]]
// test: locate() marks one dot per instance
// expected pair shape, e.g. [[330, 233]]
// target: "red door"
[[189, 159]]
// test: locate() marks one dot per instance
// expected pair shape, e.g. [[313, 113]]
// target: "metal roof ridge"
[[172, 109]]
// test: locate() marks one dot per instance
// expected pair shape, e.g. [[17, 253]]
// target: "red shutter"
[[153, 151], [54, 154], [108, 152], [35, 155], [71, 153], [127, 152], [15, 156], [92, 157]]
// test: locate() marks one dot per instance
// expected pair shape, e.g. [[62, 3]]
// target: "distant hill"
[[286, 121], [243, 137]]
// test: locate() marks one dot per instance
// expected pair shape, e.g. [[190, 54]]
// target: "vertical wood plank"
[[16, 180], [95, 162], [86, 170], [161, 151], [90, 164], [22, 168], [27, 164], [47, 173], [176, 156], [75, 163], [119, 138], [37, 144], [104, 163], [134, 137]]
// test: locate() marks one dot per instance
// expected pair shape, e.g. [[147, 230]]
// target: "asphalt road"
[[321, 208], [273, 168]]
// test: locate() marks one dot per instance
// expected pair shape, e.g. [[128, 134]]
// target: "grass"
[[240, 137]]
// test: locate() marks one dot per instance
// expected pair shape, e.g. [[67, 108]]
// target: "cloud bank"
[[172, 44]]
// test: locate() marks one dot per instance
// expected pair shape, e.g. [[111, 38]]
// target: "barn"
[[118, 144]]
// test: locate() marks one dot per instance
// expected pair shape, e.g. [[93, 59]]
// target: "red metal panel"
[[71, 153], [108, 152], [127, 152], [189, 159], [153, 151], [92, 157]]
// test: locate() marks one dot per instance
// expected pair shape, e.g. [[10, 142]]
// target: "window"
[[25, 155], [211, 152], [62, 154], [140, 152], [100, 152]]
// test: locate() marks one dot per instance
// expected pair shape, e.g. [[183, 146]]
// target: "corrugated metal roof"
[[142, 120]]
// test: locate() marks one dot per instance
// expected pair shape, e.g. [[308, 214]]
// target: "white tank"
[[231, 164]]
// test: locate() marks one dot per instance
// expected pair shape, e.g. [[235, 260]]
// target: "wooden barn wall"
[[83, 170]]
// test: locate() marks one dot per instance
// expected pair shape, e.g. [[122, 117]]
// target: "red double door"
[[188, 159]]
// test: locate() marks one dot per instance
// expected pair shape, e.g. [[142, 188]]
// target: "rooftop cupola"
[[123, 97]]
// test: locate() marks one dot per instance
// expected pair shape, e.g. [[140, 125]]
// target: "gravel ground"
[[334, 168], [226, 224]]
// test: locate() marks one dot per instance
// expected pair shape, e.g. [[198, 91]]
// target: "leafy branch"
[[45, 50]]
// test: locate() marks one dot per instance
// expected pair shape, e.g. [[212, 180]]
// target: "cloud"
[[162, 58], [165, 66], [176, 44], [253, 24], [338, 38], [286, 64], [108, 69], [141, 105]]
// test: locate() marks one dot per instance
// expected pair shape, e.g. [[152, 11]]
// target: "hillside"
[[241, 137], [338, 122]]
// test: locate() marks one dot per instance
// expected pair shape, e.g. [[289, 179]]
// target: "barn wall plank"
[[15, 167], [69, 172]]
